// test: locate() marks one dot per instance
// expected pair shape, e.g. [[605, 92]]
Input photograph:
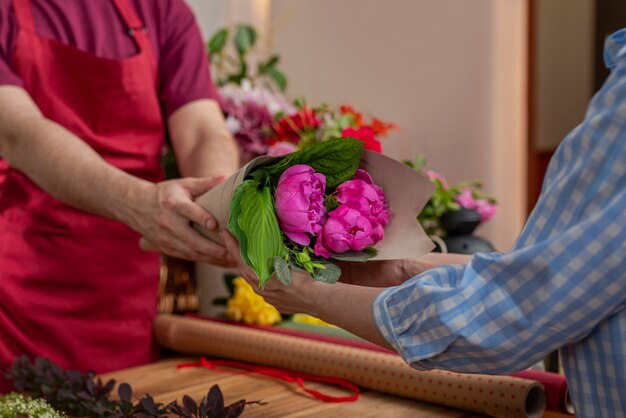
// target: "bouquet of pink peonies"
[[329, 202]]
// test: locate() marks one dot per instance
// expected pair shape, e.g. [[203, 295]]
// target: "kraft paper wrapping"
[[501, 396], [406, 190]]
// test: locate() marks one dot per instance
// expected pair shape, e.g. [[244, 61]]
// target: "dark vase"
[[459, 226]]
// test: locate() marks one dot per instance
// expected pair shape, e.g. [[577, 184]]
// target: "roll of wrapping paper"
[[555, 385], [376, 369]]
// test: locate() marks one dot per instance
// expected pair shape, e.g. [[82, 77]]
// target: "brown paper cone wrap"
[[406, 190], [502, 396], [217, 200]]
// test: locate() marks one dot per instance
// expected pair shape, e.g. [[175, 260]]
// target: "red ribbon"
[[286, 375]]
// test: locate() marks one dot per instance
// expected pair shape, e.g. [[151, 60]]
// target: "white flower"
[[233, 124]]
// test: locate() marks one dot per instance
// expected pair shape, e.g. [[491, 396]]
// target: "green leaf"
[[346, 121], [300, 102], [303, 257], [337, 159], [279, 78], [330, 274], [331, 133], [283, 274], [353, 256], [331, 203], [420, 162], [371, 251], [295, 267], [258, 222], [453, 206], [264, 67], [235, 213], [235, 78], [218, 41], [245, 37]]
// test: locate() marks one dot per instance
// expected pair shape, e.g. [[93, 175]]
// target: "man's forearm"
[[67, 168], [203, 145], [215, 157], [349, 307]]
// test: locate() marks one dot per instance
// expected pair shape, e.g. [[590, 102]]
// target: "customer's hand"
[[298, 297], [163, 215], [386, 273]]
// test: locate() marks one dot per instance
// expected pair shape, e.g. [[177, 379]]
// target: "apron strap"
[[24, 14], [136, 28]]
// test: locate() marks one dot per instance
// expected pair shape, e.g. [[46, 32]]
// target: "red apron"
[[76, 287]]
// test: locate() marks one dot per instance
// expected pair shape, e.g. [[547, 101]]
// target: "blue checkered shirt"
[[563, 285]]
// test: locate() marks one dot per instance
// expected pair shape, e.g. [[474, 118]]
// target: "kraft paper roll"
[[502, 396]]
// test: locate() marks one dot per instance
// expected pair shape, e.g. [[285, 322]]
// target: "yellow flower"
[[245, 305], [308, 319]]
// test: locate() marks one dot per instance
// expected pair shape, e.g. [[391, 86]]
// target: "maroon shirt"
[[96, 27]]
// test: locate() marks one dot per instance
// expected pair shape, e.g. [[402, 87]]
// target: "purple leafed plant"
[[79, 394]]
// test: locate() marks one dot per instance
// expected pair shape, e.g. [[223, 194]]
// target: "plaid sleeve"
[[503, 312]]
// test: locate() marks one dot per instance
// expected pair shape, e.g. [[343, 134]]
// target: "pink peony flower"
[[281, 148], [363, 195], [366, 135], [431, 174], [485, 209], [347, 230], [299, 202]]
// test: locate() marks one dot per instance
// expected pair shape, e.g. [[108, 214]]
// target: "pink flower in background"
[[431, 174], [249, 113], [485, 209], [366, 135], [248, 122], [299, 200], [281, 148], [347, 230], [466, 199], [246, 92], [363, 195]]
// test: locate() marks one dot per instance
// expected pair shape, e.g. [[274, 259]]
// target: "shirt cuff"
[[11, 80], [412, 318], [384, 322], [175, 103]]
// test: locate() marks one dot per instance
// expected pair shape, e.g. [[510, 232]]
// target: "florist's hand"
[[163, 215], [298, 297]]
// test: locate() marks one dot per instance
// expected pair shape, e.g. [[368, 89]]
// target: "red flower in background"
[[382, 128], [358, 117], [378, 126], [290, 128], [304, 128], [366, 135]]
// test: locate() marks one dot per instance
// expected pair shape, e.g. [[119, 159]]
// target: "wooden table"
[[163, 381]]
